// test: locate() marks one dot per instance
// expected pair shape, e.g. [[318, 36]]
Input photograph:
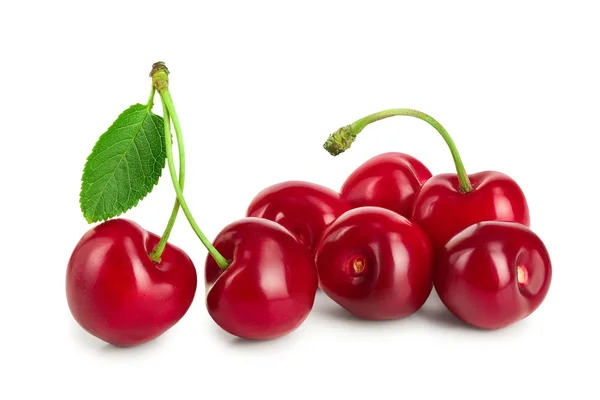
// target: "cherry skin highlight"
[[375, 263], [442, 210], [493, 274], [118, 294], [303, 208], [389, 180], [268, 289]]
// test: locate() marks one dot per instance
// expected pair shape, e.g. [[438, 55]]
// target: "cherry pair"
[[127, 286]]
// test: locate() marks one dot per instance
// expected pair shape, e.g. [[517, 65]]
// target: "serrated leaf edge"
[[107, 216]]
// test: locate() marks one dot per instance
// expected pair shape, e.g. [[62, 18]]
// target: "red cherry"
[[269, 287], [493, 274], [304, 208], [442, 210], [375, 263], [118, 294], [389, 180]]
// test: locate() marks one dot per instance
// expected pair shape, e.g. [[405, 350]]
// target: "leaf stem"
[[160, 81], [342, 139], [150, 102]]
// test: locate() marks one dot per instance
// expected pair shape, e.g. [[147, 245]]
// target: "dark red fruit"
[[493, 274], [269, 287], [118, 294], [442, 210], [303, 208], [389, 180], [375, 263]]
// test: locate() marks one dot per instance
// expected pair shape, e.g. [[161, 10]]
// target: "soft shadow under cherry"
[[435, 311]]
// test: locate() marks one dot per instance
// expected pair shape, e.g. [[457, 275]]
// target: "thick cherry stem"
[[342, 139], [162, 244], [160, 80]]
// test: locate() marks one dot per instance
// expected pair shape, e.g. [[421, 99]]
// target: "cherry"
[[375, 263], [443, 210], [448, 203], [268, 289], [125, 285], [389, 180], [493, 274], [304, 208], [118, 293]]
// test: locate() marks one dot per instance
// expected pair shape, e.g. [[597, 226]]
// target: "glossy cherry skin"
[[493, 274], [118, 294], [389, 180], [443, 211], [303, 208], [269, 288], [375, 263]]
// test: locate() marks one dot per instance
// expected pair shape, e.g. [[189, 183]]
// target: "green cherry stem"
[[150, 103], [342, 139], [160, 247], [160, 80], [221, 261]]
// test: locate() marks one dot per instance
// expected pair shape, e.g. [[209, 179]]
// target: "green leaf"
[[124, 165]]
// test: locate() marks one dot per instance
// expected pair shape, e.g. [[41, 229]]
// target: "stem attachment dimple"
[[359, 265], [522, 275], [342, 139]]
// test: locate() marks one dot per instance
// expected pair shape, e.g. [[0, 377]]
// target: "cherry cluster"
[[377, 248], [395, 232]]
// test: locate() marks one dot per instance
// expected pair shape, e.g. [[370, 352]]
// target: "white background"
[[258, 87]]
